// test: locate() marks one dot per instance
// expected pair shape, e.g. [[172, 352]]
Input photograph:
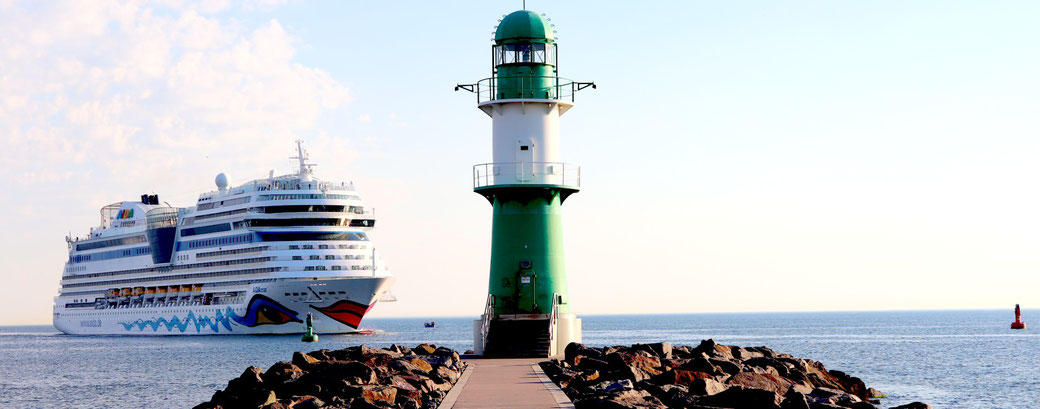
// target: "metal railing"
[[554, 317], [264, 185], [526, 173], [525, 87], [485, 323]]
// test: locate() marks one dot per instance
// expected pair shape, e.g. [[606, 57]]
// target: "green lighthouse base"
[[528, 309]]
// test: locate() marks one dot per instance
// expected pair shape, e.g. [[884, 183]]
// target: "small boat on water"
[[430, 324]]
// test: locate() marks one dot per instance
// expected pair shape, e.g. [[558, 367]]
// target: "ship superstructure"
[[248, 259]]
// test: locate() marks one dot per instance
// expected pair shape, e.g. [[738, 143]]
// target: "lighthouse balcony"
[[527, 173], [524, 87]]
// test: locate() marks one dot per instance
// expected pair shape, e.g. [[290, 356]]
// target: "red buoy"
[[1018, 324]]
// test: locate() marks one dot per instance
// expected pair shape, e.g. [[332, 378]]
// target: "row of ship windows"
[[108, 255], [220, 241], [208, 285], [222, 227], [220, 263], [327, 246], [176, 277], [307, 197], [229, 252], [214, 254], [272, 236], [111, 242], [229, 202], [332, 257], [335, 268], [213, 228], [273, 209], [179, 267]]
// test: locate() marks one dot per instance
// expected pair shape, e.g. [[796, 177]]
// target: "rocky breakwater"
[[704, 377], [357, 377]]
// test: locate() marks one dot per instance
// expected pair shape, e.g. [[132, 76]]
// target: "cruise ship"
[[249, 259]]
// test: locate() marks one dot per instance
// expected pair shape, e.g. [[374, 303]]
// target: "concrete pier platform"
[[505, 383]]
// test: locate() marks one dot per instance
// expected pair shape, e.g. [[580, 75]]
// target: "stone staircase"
[[518, 338]]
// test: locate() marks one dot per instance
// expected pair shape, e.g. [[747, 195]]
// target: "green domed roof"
[[523, 24]]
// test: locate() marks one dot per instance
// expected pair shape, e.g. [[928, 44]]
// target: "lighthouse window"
[[523, 53], [539, 52], [509, 54]]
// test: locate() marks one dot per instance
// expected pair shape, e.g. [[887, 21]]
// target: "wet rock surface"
[[357, 377], [657, 376]]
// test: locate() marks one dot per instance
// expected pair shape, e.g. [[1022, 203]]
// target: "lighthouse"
[[528, 309]]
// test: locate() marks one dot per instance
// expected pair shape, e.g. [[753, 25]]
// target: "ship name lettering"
[[90, 323]]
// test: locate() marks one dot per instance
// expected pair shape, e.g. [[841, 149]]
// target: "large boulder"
[[588, 362], [768, 382], [636, 365], [712, 349], [281, 373], [681, 377], [662, 350], [575, 349], [414, 365], [706, 387], [794, 400], [424, 349], [851, 384], [741, 397]]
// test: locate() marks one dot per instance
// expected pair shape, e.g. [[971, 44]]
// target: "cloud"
[[109, 90], [364, 118]]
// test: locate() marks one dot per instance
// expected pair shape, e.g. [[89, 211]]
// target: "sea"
[[948, 359]]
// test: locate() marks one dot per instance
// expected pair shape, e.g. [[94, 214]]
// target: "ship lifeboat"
[[185, 288], [124, 292], [174, 289], [160, 290], [149, 291], [112, 292], [138, 291], [196, 288]]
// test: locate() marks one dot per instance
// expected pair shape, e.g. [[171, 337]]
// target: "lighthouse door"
[[525, 166], [526, 284]]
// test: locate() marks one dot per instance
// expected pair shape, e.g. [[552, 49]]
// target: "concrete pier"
[[505, 383]]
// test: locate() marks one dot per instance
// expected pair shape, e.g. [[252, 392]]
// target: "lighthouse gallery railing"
[[526, 173], [525, 86]]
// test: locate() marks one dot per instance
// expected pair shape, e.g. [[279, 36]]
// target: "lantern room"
[[524, 57]]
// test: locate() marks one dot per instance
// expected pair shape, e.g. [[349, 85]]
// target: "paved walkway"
[[505, 383]]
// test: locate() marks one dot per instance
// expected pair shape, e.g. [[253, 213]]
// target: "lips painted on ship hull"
[[346, 312], [265, 311]]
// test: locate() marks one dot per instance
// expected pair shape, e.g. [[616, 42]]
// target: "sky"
[[736, 156]]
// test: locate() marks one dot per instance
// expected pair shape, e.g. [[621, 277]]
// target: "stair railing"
[[485, 323], [554, 316]]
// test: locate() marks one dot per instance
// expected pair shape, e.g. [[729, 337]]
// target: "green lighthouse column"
[[528, 309]]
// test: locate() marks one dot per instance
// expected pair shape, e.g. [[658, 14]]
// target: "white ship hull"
[[265, 310]]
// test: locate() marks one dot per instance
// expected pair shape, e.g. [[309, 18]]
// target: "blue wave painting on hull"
[[262, 310]]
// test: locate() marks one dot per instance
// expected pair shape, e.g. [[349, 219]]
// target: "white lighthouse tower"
[[528, 308]]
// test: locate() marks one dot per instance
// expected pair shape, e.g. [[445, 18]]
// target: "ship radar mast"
[[301, 155]]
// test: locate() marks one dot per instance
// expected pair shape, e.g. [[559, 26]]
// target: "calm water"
[[950, 359]]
